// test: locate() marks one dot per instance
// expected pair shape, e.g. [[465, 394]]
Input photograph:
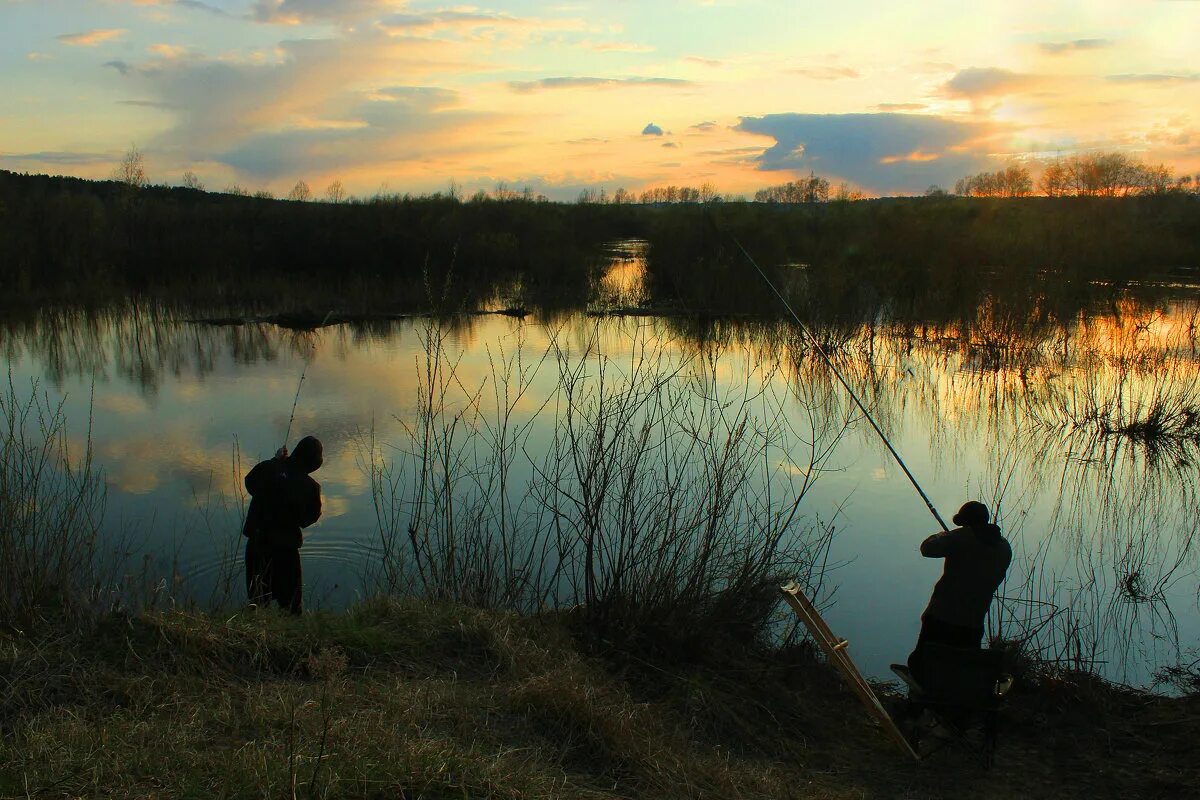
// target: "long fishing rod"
[[853, 395], [299, 386]]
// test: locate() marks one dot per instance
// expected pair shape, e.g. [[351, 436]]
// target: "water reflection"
[[1082, 433]]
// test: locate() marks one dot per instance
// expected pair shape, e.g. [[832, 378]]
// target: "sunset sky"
[[560, 96]]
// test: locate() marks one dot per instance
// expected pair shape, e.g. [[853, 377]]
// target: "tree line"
[[73, 239], [1094, 174], [1081, 175]]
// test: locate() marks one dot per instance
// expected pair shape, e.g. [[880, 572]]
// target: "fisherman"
[[977, 557], [283, 499]]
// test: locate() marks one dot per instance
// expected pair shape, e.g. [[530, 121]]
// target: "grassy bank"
[[405, 699]]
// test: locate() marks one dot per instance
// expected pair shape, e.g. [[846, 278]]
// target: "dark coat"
[[977, 558], [283, 499]]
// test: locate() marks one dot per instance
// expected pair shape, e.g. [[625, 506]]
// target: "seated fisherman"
[[977, 557], [283, 499]]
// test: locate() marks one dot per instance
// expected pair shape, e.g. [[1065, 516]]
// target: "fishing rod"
[[853, 395], [299, 386]]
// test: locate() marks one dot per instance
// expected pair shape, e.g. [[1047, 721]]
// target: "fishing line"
[[853, 395], [299, 386]]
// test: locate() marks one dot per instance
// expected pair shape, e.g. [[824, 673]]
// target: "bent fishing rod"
[[849, 390]]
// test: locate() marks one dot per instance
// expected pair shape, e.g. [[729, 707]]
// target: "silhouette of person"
[[977, 557], [283, 499]]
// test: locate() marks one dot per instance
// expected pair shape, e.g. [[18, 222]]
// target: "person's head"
[[972, 514], [308, 454]]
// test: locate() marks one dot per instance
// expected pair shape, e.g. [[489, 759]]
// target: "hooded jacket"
[[284, 498], [977, 559]]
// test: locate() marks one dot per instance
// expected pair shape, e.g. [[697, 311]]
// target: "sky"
[[402, 96]]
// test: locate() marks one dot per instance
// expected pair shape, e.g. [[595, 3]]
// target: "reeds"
[[658, 499], [51, 505]]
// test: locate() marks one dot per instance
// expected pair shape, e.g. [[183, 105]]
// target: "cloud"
[[900, 107], [307, 106], [399, 123], [192, 4], [887, 152], [168, 50], [39, 56], [652, 130], [976, 82], [618, 47], [469, 20], [472, 23], [670, 144], [62, 157], [91, 38], [827, 73], [1189, 77], [524, 87], [147, 104], [198, 6], [705, 62], [1059, 48], [296, 12], [735, 151], [704, 127]]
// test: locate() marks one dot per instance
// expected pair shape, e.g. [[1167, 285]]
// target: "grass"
[[410, 699]]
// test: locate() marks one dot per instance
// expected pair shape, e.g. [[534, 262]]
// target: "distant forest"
[[74, 240]]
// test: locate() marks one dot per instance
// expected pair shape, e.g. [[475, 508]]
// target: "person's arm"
[[941, 544], [310, 506], [256, 479], [264, 478]]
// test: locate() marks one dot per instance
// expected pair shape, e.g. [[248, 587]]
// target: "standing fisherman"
[[977, 557], [283, 499]]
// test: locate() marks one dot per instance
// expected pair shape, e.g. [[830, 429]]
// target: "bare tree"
[[1012, 181], [335, 192], [191, 181], [813, 189], [300, 192], [1105, 175], [132, 169], [1054, 181]]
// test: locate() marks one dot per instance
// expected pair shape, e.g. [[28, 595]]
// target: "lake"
[[1080, 433]]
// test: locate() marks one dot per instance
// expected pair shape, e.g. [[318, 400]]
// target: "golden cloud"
[[91, 38], [915, 156]]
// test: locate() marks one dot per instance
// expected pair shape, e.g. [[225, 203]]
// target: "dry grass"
[[399, 699]]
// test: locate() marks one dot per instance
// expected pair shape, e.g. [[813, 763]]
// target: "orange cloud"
[[167, 50], [914, 156], [976, 82], [91, 38]]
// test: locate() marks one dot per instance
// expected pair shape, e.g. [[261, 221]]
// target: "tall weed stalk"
[[52, 502]]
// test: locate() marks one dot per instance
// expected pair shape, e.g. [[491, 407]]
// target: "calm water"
[[1102, 524]]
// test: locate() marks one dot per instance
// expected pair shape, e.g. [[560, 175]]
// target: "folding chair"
[[961, 689]]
